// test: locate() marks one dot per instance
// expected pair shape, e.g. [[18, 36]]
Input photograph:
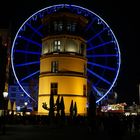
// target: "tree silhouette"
[[92, 111], [71, 109], [58, 105], [92, 105], [62, 106], [75, 110], [51, 110]]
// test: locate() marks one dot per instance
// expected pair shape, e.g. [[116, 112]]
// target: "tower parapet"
[[64, 22]]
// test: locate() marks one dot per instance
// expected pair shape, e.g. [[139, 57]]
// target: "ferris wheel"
[[103, 53]]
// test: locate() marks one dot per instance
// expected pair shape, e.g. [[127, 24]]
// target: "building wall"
[[70, 78], [66, 63]]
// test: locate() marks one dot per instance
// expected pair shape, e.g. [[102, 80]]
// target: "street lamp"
[[26, 103], [5, 95]]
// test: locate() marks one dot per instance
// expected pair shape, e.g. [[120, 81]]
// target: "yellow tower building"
[[63, 61]]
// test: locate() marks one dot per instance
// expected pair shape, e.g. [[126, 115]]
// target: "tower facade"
[[63, 61]]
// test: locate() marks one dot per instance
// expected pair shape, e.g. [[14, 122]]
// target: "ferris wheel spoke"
[[35, 30], [29, 76], [98, 76], [27, 52], [101, 66], [30, 41], [26, 64], [96, 35], [100, 45], [102, 55], [96, 90]]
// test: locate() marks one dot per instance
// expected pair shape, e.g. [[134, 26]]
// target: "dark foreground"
[[36, 132], [109, 129]]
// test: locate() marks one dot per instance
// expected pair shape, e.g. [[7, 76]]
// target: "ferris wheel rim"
[[61, 5]]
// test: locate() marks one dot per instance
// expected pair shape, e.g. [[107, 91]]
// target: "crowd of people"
[[109, 124]]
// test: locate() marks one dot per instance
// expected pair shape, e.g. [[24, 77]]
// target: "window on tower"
[[54, 66], [71, 46], [54, 88], [58, 26], [84, 90], [55, 25], [71, 27], [45, 48], [56, 46]]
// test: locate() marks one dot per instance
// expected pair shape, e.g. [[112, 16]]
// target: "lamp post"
[[25, 107], [5, 95]]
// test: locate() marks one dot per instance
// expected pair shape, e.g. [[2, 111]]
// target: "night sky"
[[122, 17]]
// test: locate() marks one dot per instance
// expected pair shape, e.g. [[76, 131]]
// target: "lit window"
[[56, 46], [71, 46], [54, 66], [45, 48], [54, 88]]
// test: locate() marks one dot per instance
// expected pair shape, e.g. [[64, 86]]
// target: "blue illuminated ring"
[[99, 77]]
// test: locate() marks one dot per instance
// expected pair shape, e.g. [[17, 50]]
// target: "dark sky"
[[123, 19]]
